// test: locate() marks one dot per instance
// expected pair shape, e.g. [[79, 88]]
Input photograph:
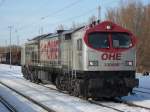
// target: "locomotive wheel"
[[76, 91], [57, 82], [37, 81], [69, 88], [35, 77], [74, 88], [26, 74], [31, 77]]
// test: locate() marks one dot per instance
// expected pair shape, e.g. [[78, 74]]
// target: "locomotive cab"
[[110, 60]]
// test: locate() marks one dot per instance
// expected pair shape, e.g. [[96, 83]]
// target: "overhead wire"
[[57, 12], [78, 16], [61, 9], [68, 19], [53, 13], [108, 2], [74, 17]]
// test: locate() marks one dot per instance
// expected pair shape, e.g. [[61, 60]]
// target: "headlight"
[[93, 63], [129, 63]]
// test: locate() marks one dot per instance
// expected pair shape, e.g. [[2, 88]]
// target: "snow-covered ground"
[[19, 102], [58, 101], [3, 108], [142, 97]]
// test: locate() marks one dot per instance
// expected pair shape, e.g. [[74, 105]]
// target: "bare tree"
[[135, 17]]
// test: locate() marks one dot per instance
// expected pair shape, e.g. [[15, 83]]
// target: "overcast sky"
[[27, 17]]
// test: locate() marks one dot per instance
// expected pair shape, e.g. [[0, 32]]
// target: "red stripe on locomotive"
[[113, 28]]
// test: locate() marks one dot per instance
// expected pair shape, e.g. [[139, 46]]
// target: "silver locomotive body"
[[97, 61]]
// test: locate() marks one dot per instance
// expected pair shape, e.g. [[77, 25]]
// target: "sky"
[[29, 18]]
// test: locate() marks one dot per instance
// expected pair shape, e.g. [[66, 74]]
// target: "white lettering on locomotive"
[[111, 56], [49, 49]]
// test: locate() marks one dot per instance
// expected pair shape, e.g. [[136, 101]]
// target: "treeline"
[[14, 48], [136, 17]]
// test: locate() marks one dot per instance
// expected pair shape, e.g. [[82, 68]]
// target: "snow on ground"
[[63, 102], [8, 70], [16, 69], [123, 107], [3, 108], [55, 100], [139, 98], [17, 101], [144, 81]]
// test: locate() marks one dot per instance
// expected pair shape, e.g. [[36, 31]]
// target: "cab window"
[[79, 44], [98, 40], [121, 40]]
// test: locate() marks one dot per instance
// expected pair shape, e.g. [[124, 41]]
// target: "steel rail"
[[100, 104], [141, 92], [7, 105], [115, 100], [91, 101], [30, 99], [131, 104], [49, 110]]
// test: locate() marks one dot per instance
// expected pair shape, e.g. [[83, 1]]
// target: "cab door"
[[79, 53]]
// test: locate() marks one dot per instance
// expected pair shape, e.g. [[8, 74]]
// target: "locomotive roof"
[[65, 32], [72, 30], [35, 39], [100, 26], [41, 36], [51, 35]]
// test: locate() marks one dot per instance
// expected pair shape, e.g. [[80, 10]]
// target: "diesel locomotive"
[[92, 61]]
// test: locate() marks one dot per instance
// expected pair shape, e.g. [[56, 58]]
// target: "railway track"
[[135, 105], [61, 92], [46, 108], [139, 91], [28, 98], [144, 88], [10, 73], [99, 103], [119, 101], [116, 101], [91, 101], [7, 105]]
